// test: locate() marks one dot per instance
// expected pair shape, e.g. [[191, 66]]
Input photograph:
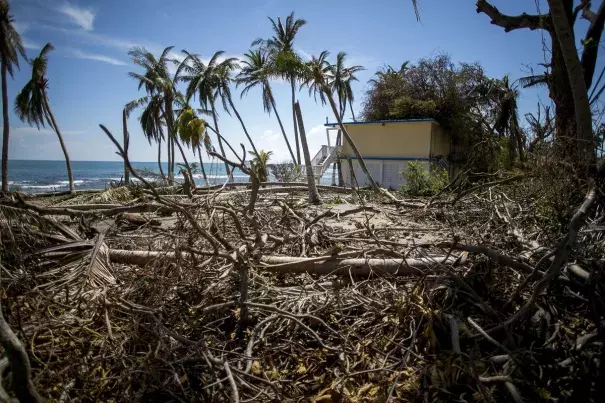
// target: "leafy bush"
[[286, 172], [412, 108], [423, 182]]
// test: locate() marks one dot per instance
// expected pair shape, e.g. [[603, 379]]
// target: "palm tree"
[[157, 80], [32, 105], [503, 97], [11, 47], [192, 132], [341, 85], [255, 72], [342, 80], [204, 80], [318, 75], [284, 60], [224, 71]]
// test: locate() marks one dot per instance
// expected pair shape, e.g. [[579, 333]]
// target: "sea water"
[[36, 176]]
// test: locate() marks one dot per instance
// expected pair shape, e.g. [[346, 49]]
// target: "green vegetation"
[[421, 181], [285, 171], [259, 164]]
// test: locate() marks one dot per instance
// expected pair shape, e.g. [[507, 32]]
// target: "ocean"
[[51, 176]]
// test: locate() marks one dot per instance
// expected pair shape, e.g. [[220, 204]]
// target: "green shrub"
[[423, 182]]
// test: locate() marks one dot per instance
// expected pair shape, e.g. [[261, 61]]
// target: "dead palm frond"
[[81, 267]]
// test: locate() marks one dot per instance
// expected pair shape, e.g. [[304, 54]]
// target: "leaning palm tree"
[[11, 47], [255, 72], [284, 60], [152, 122], [342, 78], [317, 76], [32, 105]]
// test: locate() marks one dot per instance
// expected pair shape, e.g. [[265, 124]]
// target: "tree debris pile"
[[363, 299]]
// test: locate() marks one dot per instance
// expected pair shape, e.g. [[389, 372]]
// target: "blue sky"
[[88, 70]]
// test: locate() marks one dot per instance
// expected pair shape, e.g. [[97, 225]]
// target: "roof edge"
[[383, 121]]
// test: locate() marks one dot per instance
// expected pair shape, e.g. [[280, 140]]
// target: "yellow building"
[[387, 147]]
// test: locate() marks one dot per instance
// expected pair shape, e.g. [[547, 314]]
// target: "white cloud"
[[27, 44], [304, 54], [27, 131], [83, 17], [319, 129], [269, 135], [92, 56], [21, 27]]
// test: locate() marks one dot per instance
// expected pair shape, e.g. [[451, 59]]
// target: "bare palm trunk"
[[360, 160], [6, 129], [199, 151], [160, 158], [281, 126], [585, 147], [169, 153], [169, 116], [184, 158], [336, 163], [70, 177], [241, 121], [338, 166], [218, 135], [172, 159], [313, 193], [338, 160], [293, 85], [519, 140], [125, 133]]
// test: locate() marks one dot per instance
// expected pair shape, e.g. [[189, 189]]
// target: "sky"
[[88, 71]]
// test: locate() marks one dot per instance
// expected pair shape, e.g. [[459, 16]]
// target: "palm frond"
[[11, 44], [534, 80], [80, 266]]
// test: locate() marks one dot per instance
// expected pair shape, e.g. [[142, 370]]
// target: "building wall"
[[388, 148], [391, 140], [387, 173]]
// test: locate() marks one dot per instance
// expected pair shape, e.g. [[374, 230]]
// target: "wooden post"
[[126, 140]]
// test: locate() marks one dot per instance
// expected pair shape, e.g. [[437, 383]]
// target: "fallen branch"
[[21, 370], [561, 257], [402, 203], [329, 265], [73, 211]]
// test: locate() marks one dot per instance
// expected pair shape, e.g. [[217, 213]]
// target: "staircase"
[[322, 160]]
